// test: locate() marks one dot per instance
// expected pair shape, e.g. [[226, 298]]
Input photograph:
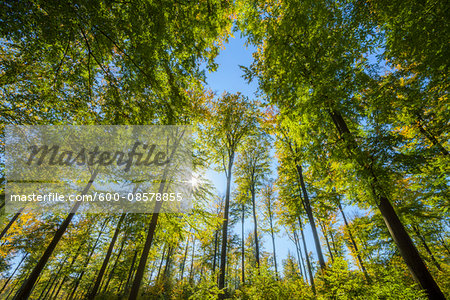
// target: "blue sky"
[[228, 77]]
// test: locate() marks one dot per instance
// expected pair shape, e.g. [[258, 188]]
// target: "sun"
[[194, 181]]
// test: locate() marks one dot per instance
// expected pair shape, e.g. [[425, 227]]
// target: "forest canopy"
[[340, 159]]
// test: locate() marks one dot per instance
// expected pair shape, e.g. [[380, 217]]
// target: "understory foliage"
[[336, 172]]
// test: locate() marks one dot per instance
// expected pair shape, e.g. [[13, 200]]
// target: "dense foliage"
[[347, 140]]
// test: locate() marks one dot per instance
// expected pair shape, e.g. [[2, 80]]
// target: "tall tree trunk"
[[444, 244], [111, 273], [14, 286], [309, 213], [55, 277], [408, 251], [14, 272], [161, 262], [333, 243], [243, 244], [326, 239], [273, 242], [26, 288], [92, 294], [354, 246], [216, 241], [255, 222], [424, 244], [192, 259], [70, 267], [430, 136], [185, 256], [223, 253], [308, 262], [13, 219], [151, 230], [86, 263], [303, 262], [297, 248], [166, 272], [130, 273]]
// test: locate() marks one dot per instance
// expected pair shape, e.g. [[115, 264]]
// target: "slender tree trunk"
[[243, 244], [308, 262], [255, 222], [223, 254], [151, 231], [55, 286], [161, 262], [273, 242], [305, 279], [430, 136], [326, 239], [119, 287], [106, 259], [408, 251], [152, 270], [185, 256], [59, 288], [70, 267], [14, 286], [26, 288], [55, 277], [309, 213], [444, 244], [216, 241], [14, 272], [166, 272], [86, 263], [297, 245], [333, 243], [192, 259], [14, 218], [130, 273], [424, 244], [111, 273], [354, 246]]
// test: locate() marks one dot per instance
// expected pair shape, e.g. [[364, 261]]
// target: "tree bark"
[[106, 259], [55, 277], [424, 244], [161, 262], [408, 251], [14, 218], [242, 245], [308, 262], [70, 267], [185, 256], [192, 259], [151, 231], [297, 248], [111, 273], [130, 273], [309, 213], [255, 222], [223, 253], [326, 239], [355, 247], [86, 263], [216, 241], [430, 136], [273, 240], [26, 288], [14, 272]]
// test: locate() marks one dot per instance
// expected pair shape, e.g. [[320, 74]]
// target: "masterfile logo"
[[127, 168]]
